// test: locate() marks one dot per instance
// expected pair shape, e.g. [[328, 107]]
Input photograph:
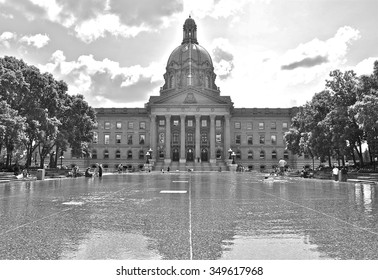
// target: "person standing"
[[335, 173], [282, 164], [100, 170]]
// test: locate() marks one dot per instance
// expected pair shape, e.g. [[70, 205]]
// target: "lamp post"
[[147, 157], [61, 162], [233, 157], [229, 152]]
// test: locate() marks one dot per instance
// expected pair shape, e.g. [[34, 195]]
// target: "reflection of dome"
[[189, 64]]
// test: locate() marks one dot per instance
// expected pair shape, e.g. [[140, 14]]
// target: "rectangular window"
[[131, 125], [118, 138], [237, 125], [273, 126], [250, 140], [249, 125], [190, 123], [161, 122], [190, 137], [129, 139], [175, 138], [238, 139], [175, 122], [106, 139], [262, 139], [204, 123], [284, 125], [218, 123], [261, 126], [107, 125], [118, 125], [142, 139], [142, 125], [273, 139], [218, 138], [95, 137]]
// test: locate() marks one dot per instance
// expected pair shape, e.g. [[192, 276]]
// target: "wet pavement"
[[188, 216]]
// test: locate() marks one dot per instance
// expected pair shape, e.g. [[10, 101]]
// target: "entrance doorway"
[[204, 155], [175, 154], [189, 155]]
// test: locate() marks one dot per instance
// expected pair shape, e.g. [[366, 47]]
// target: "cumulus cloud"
[[38, 40], [222, 58], [366, 66], [6, 37], [93, 19], [214, 8], [105, 80], [316, 52]]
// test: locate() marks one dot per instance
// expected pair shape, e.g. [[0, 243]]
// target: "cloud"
[[214, 8], [222, 58], [105, 80], [6, 37], [366, 66], [306, 62], [94, 19], [38, 40]]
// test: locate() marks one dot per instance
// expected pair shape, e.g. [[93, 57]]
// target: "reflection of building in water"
[[191, 122]]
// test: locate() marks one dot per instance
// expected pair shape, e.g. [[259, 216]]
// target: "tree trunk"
[[329, 159]]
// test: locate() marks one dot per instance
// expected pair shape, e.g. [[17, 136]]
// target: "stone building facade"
[[190, 124]]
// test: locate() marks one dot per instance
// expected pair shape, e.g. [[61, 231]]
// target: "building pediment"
[[190, 96]]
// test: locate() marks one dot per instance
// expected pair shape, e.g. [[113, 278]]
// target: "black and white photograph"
[[177, 139]]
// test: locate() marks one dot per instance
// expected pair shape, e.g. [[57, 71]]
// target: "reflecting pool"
[[188, 216]]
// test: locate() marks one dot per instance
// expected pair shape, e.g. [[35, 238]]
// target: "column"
[[182, 137], [167, 139], [198, 137], [227, 137], [212, 139], [153, 137]]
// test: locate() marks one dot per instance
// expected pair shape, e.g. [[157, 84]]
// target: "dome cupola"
[[189, 64]]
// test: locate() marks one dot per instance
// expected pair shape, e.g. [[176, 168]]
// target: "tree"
[[11, 131]]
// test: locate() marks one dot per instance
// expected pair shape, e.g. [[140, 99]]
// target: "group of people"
[[96, 173]]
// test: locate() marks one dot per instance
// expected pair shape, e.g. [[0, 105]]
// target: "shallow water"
[[188, 216]]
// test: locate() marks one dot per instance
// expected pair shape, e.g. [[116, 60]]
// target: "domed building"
[[190, 124]]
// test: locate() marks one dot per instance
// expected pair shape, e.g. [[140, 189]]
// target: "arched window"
[[274, 155], [286, 155], [106, 154], [262, 155], [238, 154], [129, 154], [118, 154], [250, 154], [94, 154], [141, 154], [219, 154]]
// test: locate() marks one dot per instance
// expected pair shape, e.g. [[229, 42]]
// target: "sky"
[[266, 53]]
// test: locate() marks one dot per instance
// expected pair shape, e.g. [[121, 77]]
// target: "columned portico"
[[168, 139], [227, 136], [198, 137], [153, 136], [182, 137], [212, 139]]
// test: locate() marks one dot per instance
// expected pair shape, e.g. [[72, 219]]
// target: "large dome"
[[181, 55], [189, 64]]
